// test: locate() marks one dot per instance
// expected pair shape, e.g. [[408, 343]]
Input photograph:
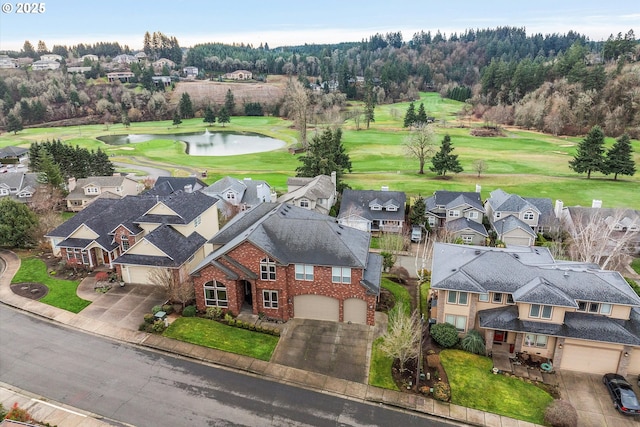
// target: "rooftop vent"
[[477, 251], [385, 188], [516, 256]]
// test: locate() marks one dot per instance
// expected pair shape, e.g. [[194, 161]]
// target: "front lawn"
[[400, 294], [473, 385], [635, 264], [212, 334], [62, 293], [380, 369]]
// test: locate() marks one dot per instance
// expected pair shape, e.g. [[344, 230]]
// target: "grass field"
[[528, 163]]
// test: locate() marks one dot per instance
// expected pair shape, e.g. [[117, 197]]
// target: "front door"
[[499, 337], [248, 297]]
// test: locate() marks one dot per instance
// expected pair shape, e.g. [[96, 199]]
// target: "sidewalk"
[[272, 371]]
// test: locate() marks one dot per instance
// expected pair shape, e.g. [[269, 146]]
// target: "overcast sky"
[[292, 22]]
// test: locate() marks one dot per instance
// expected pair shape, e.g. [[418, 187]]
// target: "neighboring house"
[[140, 234], [166, 185], [7, 62], [85, 190], [239, 75], [373, 210], [284, 262], [45, 65], [190, 72], [141, 56], [89, 57], [19, 186], [51, 57], [12, 154], [124, 59], [123, 76], [317, 194], [461, 213], [161, 81], [244, 194], [516, 219], [164, 62], [571, 314]]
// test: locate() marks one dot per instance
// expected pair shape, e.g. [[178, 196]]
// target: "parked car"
[[416, 234], [624, 398]]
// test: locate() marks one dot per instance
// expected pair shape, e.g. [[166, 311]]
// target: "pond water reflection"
[[207, 143]]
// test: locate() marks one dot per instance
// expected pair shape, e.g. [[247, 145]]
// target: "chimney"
[[188, 188], [478, 188], [558, 209], [333, 178], [247, 179], [596, 203], [385, 188], [72, 184]]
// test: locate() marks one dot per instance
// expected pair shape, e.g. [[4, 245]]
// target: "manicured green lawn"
[[474, 385], [209, 333], [528, 163], [424, 296], [399, 293], [62, 293], [380, 369]]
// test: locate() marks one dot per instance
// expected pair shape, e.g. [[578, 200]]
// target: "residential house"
[[85, 190], [530, 216], [570, 314], [11, 154], [141, 56], [42, 64], [124, 59], [166, 185], [373, 210], [51, 57], [190, 72], [7, 62], [244, 193], [140, 234], [287, 262], [161, 81], [318, 194], [90, 58], [164, 62], [19, 186], [122, 76], [460, 213], [239, 75]]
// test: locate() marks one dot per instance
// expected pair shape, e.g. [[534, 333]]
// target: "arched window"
[[267, 269], [215, 294]]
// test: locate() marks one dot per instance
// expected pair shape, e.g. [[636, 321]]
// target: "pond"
[[207, 143]]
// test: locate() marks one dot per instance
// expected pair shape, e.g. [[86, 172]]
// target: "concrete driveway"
[[592, 401], [121, 306], [330, 348]]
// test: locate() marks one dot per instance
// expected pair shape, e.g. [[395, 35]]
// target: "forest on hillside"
[[558, 83]]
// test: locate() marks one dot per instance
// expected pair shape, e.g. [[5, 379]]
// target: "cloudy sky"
[[289, 22]]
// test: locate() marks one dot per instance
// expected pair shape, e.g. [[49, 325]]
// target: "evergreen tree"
[[422, 114], [229, 102], [410, 117], [369, 105], [14, 124], [416, 217], [186, 106], [325, 154], [101, 165], [176, 118], [619, 159], [443, 161], [223, 116], [209, 115], [590, 155], [126, 121], [17, 223], [49, 170]]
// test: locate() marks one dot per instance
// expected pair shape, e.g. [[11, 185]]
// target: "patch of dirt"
[[33, 291], [203, 92], [486, 131]]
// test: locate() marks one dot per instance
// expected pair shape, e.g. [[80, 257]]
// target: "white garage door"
[[634, 363], [589, 359], [316, 307], [135, 274], [355, 311], [517, 241]]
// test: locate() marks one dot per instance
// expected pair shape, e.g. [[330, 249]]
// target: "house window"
[[392, 208], [215, 294], [267, 269], [376, 207], [605, 309], [457, 297], [4, 192], [460, 322], [483, 297], [540, 311], [431, 221], [498, 214], [594, 307], [473, 215], [197, 221], [91, 190], [81, 256], [528, 216], [230, 195], [270, 299], [304, 272], [497, 298], [304, 203], [454, 213], [341, 274], [467, 239], [533, 340], [124, 242], [510, 299]]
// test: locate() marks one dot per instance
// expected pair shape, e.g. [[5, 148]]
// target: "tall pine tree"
[[229, 102], [590, 155], [421, 117], [325, 154], [186, 106], [410, 116], [619, 160], [209, 115], [223, 116], [443, 161]]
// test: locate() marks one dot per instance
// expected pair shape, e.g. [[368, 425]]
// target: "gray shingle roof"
[[247, 188], [545, 207], [452, 199], [359, 200], [510, 223], [12, 151], [186, 205], [501, 201], [464, 223], [19, 182]]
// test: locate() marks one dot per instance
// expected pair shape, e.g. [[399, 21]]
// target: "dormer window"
[[528, 216], [472, 215], [594, 307], [376, 207], [124, 242], [304, 203], [540, 311], [454, 213], [498, 214], [392, 208], [91, 190]]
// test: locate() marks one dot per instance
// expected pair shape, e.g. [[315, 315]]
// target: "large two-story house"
[[19, 186], [284, 262], [243, 194], [516, 219], [139, 234], [460, 213], [571, 314], [373, 210], [318, 194], [85, 190]]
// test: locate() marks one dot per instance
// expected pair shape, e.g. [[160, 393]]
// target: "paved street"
[[144, 388]]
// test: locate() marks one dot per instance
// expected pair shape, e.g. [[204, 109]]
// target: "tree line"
[[71, 161]]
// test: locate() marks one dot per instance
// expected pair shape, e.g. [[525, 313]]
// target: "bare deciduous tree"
[[420, 144], [297, 102], [390, 246], [479, 166], [356, 114], [402, 338], [176, 291]]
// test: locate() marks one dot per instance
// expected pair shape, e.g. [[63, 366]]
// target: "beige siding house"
[[239, 75], [85, 190]]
